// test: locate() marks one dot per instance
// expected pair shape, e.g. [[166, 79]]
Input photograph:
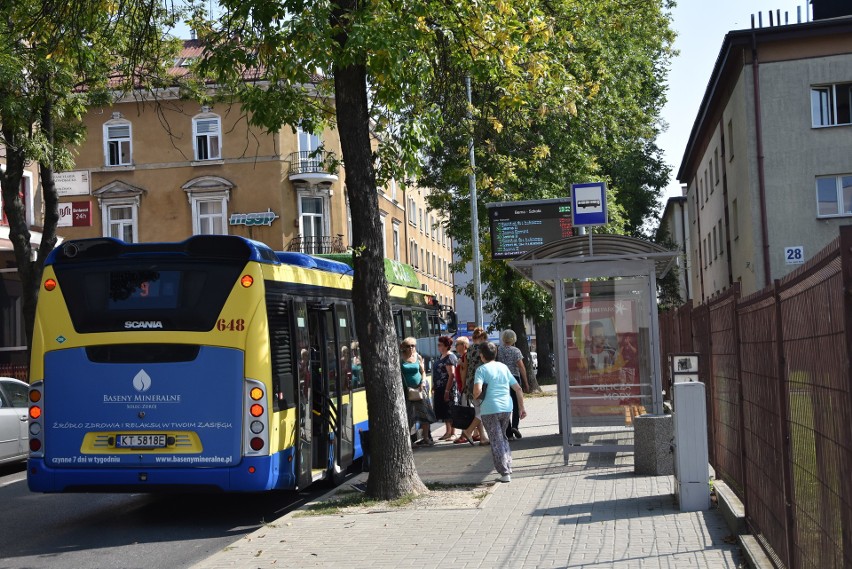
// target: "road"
[[125, 531]]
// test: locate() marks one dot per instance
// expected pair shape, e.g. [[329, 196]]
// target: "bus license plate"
[[140, 441]]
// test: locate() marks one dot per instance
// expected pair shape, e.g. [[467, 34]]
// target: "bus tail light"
[[36, 419], [255, 419]]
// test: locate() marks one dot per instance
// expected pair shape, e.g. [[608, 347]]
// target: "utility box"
[[692, 472]]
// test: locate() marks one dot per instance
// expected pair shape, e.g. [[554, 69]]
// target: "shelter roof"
[[600, 254]]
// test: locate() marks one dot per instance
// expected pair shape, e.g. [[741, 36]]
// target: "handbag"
[[482, 393], [414, 394], [462, 416]]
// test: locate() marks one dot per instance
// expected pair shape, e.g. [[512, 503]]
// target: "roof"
[[594, 255]]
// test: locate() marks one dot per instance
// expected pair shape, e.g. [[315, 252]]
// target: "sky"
[[701, 28]]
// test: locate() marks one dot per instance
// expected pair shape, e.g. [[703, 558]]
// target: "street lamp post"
[[474, 218]]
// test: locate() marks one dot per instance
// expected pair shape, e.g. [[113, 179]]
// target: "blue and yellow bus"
[[210, 364]]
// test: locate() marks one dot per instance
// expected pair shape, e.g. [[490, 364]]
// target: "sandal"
[[446, 437], [461, 440]]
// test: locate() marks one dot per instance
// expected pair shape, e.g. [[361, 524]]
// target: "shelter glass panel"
[[610, 375]]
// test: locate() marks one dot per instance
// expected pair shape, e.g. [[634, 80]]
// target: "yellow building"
[[167, 169]]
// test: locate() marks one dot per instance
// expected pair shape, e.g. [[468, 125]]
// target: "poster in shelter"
[[603, 357]]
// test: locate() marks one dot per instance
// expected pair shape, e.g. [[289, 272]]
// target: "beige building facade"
[[168, 169], [767, 165]]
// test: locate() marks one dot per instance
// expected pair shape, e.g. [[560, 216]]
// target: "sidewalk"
[[592, 512]]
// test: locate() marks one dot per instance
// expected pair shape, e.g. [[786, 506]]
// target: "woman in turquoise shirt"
[[497, 406], [414, 375]]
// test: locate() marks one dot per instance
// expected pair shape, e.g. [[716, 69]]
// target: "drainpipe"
[[684, 229], [761, 179], [725, 201]]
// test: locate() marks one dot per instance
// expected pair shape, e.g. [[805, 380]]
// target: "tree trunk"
[[392, 469]]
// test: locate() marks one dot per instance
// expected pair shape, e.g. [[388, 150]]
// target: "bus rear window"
[[129, 290], [165, 294]]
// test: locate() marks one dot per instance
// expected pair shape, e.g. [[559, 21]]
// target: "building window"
[[308, 142], [831, 104], [721, 240], [25, 194], [396, 241], [715, 248], [209, 215], [834, 196], [730, 140], [412, 212], [735, 217], [312, 222], [117, 143], [206, 130], [119, 205], [383, 220], [716, 165], [413, 253], [120, 221]]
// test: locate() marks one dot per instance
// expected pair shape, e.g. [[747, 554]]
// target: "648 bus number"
[[231, 325]]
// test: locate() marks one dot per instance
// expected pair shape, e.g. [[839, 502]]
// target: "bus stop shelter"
[[606, 334]]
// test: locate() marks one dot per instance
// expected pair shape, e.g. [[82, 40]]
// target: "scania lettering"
[[141, 324]]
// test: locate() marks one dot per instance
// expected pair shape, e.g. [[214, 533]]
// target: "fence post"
[[784, 412], [741, 398], [846, 459]]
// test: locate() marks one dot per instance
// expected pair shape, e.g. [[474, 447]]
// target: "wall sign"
[[72, 183], [75, 214], [251, 219], [794, 255]]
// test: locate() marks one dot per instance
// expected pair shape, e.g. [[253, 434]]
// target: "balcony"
[[312, 168], [317, 245]]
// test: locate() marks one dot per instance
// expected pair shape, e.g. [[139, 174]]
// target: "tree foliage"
[[57, 59], [535, 65], [606, 130]]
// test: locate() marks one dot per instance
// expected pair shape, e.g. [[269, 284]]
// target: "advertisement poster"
[[603, 357]]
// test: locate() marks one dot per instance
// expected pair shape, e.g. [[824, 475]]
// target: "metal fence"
[[776, 365]]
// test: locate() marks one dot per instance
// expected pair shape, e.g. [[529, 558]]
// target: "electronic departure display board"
[[519, 227]]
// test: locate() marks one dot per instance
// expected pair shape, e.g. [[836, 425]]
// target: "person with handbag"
[[418, 406], [446, 396], [475, 431], [510, 355], [497, 406]]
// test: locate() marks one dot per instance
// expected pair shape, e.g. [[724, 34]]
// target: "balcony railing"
[[317, 245], [315, 168]]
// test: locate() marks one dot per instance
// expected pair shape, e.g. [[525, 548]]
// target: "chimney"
[[823, 9]]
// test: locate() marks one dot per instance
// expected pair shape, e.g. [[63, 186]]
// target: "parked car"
[[14, 434], [534, 361]]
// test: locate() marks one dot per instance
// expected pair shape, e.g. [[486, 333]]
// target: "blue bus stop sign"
[[588, 204]]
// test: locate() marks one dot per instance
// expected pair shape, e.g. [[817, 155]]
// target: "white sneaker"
[[505, 478]]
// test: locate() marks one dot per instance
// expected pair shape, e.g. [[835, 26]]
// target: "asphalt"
[[591, 512]]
